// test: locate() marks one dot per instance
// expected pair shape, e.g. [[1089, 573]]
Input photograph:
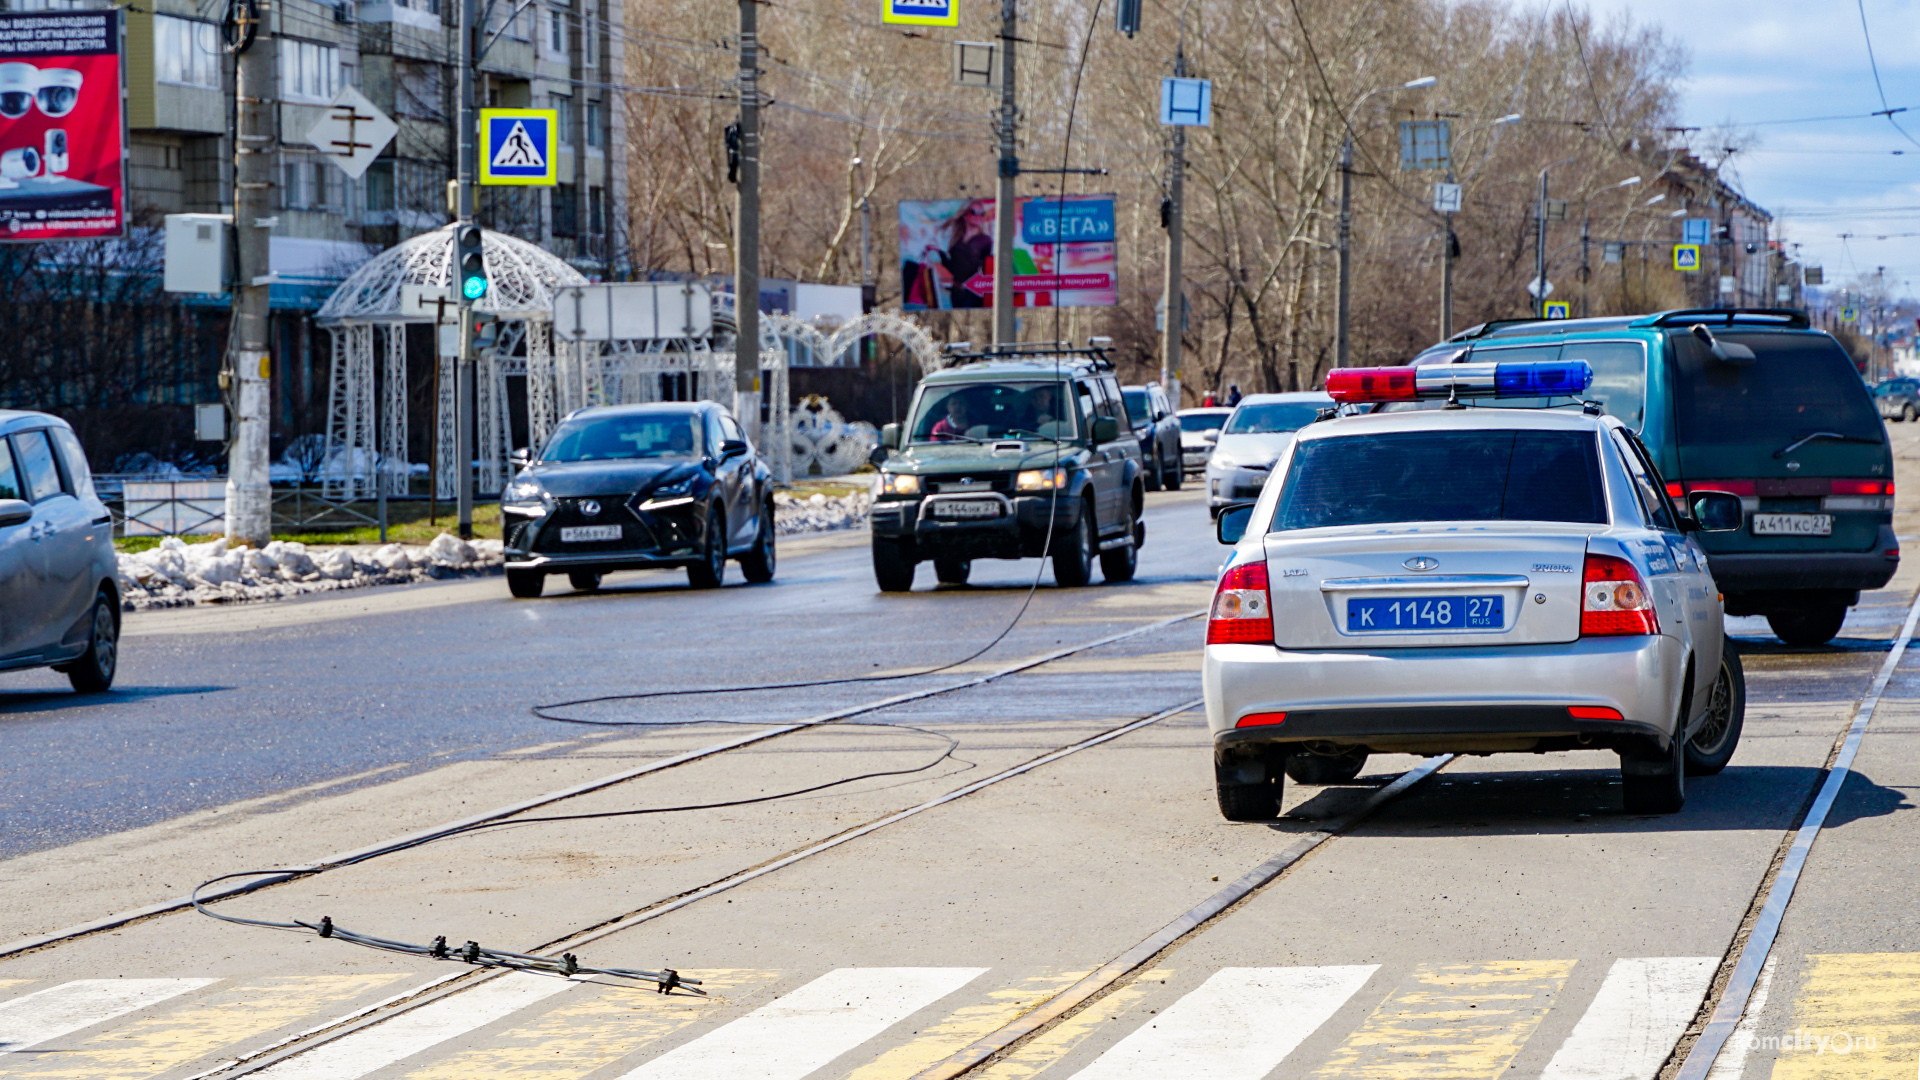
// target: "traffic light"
[[1126, 17], [470, 261]]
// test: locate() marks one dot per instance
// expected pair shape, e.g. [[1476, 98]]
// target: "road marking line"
[[1642, 1009], [1048, 1047], [1733, 1060], [1847, 1000], [590, 1029], [69, 1007], [345, 858], [1238, 1025], [175, 1037], [1766, 927], [804, 1030], [1003, 1006], [375, 1047], [1160, 940], [1452, 1020]]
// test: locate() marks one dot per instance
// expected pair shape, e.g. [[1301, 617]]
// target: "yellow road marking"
[[1054, 1043], [8, 984], [591, 1027], [195, 1031], [1452, 1021], [1857, 1015], [954, 1033]]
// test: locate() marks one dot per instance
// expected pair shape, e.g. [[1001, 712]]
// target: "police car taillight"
[[1615, 600], [1541, 378], [1242, 612]]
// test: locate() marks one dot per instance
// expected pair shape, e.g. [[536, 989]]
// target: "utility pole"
[[1174, 292], [249, 495], [463, 366], [1346, 255], [746, 245], [1586, 264], [1540, 250], [1003, 219], [1447, 245]]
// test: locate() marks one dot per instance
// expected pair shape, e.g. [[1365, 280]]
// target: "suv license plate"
[[967, 508], [1793, 524], [1372, 613], [580, 534]]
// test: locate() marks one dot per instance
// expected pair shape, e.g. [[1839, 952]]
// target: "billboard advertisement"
[[62, 129], [1063, 253]]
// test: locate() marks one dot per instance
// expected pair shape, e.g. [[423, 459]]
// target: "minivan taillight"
[[1614, 599], [1242, 612]]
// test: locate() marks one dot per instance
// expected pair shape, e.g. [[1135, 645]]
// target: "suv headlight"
[[526, 495], [899, 484], [1040, 480]]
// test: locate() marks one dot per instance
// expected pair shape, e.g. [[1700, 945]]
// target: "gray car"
[[59, 593], [1898, 399], [1256, 433]]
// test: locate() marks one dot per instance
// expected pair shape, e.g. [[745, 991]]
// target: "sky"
[[1753, 62]]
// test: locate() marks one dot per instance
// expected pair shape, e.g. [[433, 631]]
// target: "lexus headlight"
[[899, 484], [668, 491], [1041, 480], [527, 495]]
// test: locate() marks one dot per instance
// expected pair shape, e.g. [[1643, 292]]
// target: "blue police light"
[[1542, 378]]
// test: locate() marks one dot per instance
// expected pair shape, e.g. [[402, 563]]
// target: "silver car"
[[59, 593], [1258, 429], [1468, 581]]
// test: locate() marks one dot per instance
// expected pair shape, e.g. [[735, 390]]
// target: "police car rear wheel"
[[1248, 782], [1650, 786], [1713, 745], [1321, 769]]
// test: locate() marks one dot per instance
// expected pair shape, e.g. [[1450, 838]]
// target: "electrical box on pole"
[[199, 253]]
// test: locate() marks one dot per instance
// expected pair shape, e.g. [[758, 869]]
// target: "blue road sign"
[[517, 146], [1067, 221], [1186, 102], [921, 12], [1557, 309], [1696, 230], [1686, 257]]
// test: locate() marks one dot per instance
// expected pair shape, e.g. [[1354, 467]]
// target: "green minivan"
[[1753, 402]]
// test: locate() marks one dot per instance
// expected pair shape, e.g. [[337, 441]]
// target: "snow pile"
[[179, 574], [819, 512]]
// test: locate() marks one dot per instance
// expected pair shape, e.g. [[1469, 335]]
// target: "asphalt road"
[[1503, 918]]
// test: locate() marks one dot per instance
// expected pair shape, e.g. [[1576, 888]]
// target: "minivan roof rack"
[[1790, 318]]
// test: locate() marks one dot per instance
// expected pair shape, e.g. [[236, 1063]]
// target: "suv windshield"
[[1136, 405], [1443, 476], [1797, 384], [1272, 416], [617, 438], [977, 412]]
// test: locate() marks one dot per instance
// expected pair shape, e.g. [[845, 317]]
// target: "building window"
[[310, 182], [558, 34], [586, 39], [595, 138], [379, 185], [186, 52], [566, 210], [562, 104], [596, 213], [309, 71]]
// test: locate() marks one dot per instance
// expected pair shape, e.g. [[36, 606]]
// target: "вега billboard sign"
[[62, 129], [1063, 253]]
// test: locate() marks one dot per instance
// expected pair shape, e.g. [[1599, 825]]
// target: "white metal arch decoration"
[[907, 332]]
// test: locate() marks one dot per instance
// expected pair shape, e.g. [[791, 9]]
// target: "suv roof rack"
[[1095, 355], [1789, 317]]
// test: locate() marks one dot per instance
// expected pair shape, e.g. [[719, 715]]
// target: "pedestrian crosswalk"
[[1555, 1019]]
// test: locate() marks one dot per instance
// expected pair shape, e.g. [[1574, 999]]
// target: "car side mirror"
[[1230, 524], [520, 458], [1716, 511], [732, 448], [1211, 435], [890, 436], [14, 512], [1105, 429]]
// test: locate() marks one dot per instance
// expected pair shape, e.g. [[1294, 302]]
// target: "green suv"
[[1011, 455], [1752, 402]]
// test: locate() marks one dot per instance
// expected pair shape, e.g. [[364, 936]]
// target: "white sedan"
[[1258, 429]]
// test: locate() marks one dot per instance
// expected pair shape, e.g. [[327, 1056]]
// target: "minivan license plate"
[[1371, 613], [578, 534], [1793, 524]]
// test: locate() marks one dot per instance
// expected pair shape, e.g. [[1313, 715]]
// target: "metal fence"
[[197, 506]]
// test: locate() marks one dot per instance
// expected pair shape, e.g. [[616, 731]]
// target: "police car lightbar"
[[1544, 378]]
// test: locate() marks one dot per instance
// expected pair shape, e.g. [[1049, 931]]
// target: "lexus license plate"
[[1793, 524], [967, 508], [581, 534], [1370, 613]]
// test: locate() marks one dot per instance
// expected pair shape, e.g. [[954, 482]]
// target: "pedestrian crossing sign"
[[921, 12], [517, 146], [1686, 258], [1557, 309]]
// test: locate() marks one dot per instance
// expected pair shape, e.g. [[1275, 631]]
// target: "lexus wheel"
[[711, 570]]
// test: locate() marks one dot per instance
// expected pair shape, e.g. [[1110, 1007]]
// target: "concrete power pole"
[[249, 496], [1344, 307], [1003, 211], [463, 367], [746, 248], [1174, 292]]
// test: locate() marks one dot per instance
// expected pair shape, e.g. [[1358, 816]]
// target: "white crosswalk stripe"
[[61, 1010], [1238, 1025], [804, 1030], [411, 1032], [1641, 1011]]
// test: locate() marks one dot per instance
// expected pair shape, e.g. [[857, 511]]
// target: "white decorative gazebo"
[[370, 312]]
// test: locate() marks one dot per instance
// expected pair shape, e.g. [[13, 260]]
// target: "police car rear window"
[[1797, 384], [1386, 478]]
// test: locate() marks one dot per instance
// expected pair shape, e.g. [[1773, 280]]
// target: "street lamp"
[[1586, 234], [1346, 218], [1447, 240], [1539, 289]]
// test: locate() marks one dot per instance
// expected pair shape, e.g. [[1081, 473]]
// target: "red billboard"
[[62, 128]]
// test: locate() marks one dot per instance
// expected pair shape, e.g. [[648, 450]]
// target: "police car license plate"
[[579, 534], [1425, 613], [1793, 524], [967, 508]]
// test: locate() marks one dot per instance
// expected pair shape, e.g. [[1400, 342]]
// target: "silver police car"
[[1468, 581]]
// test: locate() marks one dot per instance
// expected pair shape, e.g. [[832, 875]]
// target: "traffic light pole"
[[463, 366]]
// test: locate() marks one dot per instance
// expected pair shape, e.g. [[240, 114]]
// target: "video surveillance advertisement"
[[62, 132]]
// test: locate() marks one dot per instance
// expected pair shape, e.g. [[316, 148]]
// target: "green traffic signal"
[[474, 287]]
